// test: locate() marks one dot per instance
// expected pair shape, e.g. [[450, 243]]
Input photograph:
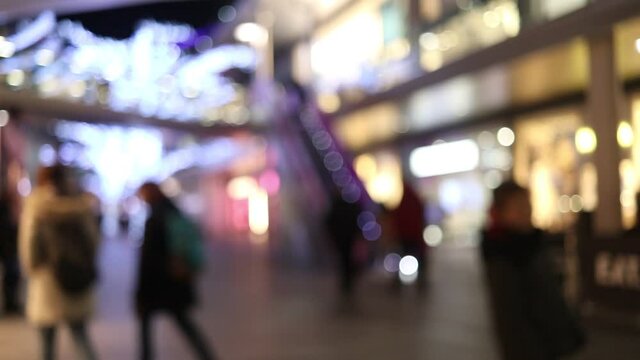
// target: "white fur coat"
[[46, 304]]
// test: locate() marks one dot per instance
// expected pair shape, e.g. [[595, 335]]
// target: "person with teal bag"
[[171, 256], [185, 246]]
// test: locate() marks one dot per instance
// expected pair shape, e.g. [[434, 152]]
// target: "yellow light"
[[259, 212], [588, 187], [242, 187], [328, 103], [48, 86], [510, 19], [78, 89], [398, 49], [576, 203], [638, 45], [171, 187], [491, 19], [506, 137], [449, 39], [586, 140], [4, 118], [432, 60], [366, 167], [625, 135], [252, 33], [44, 57], [432, 235], [430, 41], [383, 187], [627, 198], [15, 77]]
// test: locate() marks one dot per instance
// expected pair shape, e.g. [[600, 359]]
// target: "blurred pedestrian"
[[408, 227], [165, 279], [531, 317], [342, 225], [58, 240], [9, 254]]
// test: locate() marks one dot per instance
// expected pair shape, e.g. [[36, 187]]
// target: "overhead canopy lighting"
[[149, 73]]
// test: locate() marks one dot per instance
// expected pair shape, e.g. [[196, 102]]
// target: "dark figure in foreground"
[[58, 242], [9, 255], [408, 226], [165, 284], [531, 317], [342, 225]]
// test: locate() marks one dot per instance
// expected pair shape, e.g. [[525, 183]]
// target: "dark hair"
[[155, 196], [152, 191], [56, 175], [506, 191]]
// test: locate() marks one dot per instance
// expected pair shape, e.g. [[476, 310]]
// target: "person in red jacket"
[[408, 221]]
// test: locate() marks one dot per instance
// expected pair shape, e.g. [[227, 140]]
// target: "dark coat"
[[342, 223], [530, 314], [8, 232], [157, 288]]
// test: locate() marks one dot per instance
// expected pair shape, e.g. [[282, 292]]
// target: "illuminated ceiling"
[[11, 9], [297, 18], [164, 70]]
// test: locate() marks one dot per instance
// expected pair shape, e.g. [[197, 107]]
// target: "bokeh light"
[[408, 265], [586, 140], [506, 137], [433, 235], [392, 262]]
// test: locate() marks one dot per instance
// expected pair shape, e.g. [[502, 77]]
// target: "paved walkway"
[[251, 311]]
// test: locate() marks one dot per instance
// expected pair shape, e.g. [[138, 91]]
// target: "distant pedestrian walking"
[[531, 317], [408, 222], [170, 258], [58, 238], [9, 255], [342, 225]]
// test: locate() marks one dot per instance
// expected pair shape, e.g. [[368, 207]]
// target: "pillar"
[[602, 114]]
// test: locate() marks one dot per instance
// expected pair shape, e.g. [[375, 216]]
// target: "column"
[[603, 97]]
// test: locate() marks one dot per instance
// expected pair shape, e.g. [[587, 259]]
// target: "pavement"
[[252, 309]]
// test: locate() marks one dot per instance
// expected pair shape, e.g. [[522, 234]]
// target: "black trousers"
[[80, 337], [185, 324], [10, 282]]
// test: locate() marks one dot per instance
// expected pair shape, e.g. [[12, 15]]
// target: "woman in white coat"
[[48, 304]]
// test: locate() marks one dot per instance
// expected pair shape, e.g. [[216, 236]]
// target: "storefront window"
[[381, 174], [541, 10], [363, 49], [368, 127], [457, 198], [629, 169], [627, 47], [547, 162], [468, 31]]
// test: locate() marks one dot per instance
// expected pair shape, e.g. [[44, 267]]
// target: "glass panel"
[[469, 31], [547, 162]]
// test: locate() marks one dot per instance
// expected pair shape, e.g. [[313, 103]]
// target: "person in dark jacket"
[[9, 255], [161, 286], [531, 317], [342, 225]]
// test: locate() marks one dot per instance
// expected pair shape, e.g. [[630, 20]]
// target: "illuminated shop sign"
[[446, 158], [617, 270], [611, 271]]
